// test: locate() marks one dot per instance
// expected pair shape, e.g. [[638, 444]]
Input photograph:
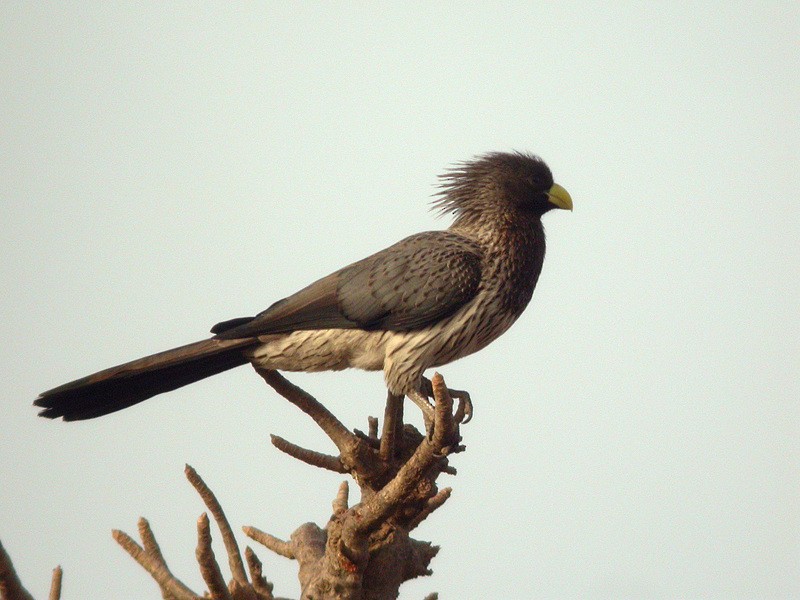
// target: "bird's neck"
[[514, 251]]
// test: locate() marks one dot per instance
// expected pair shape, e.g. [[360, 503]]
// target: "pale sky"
[[167, 166]]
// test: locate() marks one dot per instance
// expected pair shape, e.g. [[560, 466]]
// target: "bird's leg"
[[421, 400], [392, 434], [465, 409]]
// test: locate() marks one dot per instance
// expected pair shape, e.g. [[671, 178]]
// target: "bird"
[[421, 303]]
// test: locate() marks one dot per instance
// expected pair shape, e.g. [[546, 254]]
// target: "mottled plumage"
[[427, 300]]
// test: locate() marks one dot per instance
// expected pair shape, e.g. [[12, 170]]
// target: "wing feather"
[[409, 285]]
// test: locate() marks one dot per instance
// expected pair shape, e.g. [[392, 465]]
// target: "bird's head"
[[500, 182]]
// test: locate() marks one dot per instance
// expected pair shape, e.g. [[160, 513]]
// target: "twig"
[[372, 427], [356, 453], [209, 568], [210, 500], [334, 428], [310, 457], [152, 560], [260, 584], [431, 505], [153, 550], [157, 568], [149, 541], [372, 442], [55, 584], [340, 503], [277, 545]]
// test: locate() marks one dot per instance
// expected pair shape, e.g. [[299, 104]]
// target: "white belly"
[[321, 350]]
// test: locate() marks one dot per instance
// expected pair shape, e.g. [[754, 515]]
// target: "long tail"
[[130, 383]]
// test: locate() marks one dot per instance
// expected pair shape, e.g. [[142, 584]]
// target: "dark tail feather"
[[128, 384]]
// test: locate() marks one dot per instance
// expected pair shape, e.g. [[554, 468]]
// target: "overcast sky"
[[165, 166]]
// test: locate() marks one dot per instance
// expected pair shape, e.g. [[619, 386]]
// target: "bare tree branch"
[[155, 566], [209, 568], [262, 587], [55, 584], [309, 405], [372, 430], [431, 505], [429, 452], [277, 545], [151, 558], [149, 542], [210, 500], [341, 502], [364, 552], [310, 457]]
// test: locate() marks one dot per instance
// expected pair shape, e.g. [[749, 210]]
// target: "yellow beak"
[[560, 197]]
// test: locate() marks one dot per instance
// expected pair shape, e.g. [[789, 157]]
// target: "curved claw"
[[465, 408]]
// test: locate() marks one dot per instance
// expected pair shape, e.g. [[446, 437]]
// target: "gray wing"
[[409, 285], [412, 284]]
